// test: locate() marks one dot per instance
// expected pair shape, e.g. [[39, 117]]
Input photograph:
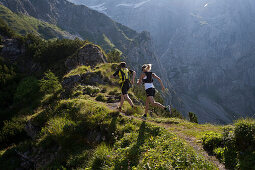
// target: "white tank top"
[[148, 85]]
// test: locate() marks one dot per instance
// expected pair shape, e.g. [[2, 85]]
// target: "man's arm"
[[115, 74], [160, 81]]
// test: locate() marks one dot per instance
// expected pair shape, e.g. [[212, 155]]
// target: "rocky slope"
[[91, 25], [206, 46]]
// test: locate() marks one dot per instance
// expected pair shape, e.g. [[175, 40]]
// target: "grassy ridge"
[[90, 135], [24, 24]]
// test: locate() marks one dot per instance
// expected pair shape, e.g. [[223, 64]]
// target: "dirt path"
[[192, 141]]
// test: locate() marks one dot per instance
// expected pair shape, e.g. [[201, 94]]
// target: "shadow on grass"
[[112, 131], [134, 153]]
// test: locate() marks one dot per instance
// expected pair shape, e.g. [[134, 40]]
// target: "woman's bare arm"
[[160, 81], [139, 81], [133, 78]]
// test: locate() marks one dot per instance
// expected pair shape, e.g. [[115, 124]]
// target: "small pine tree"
[[193, 117], [49, 83]]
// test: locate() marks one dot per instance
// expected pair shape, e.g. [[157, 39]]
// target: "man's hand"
[[163, 88]]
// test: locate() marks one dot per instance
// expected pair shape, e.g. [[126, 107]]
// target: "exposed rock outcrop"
[[11, 50], [89, 55]]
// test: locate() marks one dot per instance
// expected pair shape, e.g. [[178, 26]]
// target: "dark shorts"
[[150, 92], [125, 87]]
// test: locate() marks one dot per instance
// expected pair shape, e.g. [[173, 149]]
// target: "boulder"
[[89, 55]]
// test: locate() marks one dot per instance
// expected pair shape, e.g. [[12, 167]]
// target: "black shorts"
[[150, 92], [125, 87]]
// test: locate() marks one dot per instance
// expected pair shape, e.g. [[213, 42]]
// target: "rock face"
[[89, 55], [207, 48], [11, 50]]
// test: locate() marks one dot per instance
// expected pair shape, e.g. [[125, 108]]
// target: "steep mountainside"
[[71, 121], [91, 25], [207, 49], [160, 18], [24, 24], [212, 59]]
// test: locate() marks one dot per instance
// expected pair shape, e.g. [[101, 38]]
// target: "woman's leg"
[[154, 103], [147, 105]]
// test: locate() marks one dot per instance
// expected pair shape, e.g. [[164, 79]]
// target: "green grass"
[[187, 128], [123, 142], [108, 42], [24, 24], [78, 71]]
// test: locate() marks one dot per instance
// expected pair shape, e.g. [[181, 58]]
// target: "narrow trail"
[[192, 141]]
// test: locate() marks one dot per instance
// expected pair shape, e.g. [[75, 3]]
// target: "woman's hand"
[[137, 81], [163, 88], [132, 82]]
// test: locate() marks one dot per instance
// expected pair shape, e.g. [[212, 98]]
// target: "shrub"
[[27, 89], [230, 157], [101, 98], [8, 85], [211, 141], [219, 153], [246, 160], [193, 117], [12, 132], [5, 30], [245, 135], [49, 83], [176, 113], [91, 90], [114, 56], [113, 92], [104, 90]]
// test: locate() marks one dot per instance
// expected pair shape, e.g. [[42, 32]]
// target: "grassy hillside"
[[84, 132], [48, 126], [24, 24]]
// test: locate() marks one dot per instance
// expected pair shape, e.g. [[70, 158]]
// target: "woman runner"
[[147, 79]]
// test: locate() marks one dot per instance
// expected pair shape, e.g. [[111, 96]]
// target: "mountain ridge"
[[206, 48]]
